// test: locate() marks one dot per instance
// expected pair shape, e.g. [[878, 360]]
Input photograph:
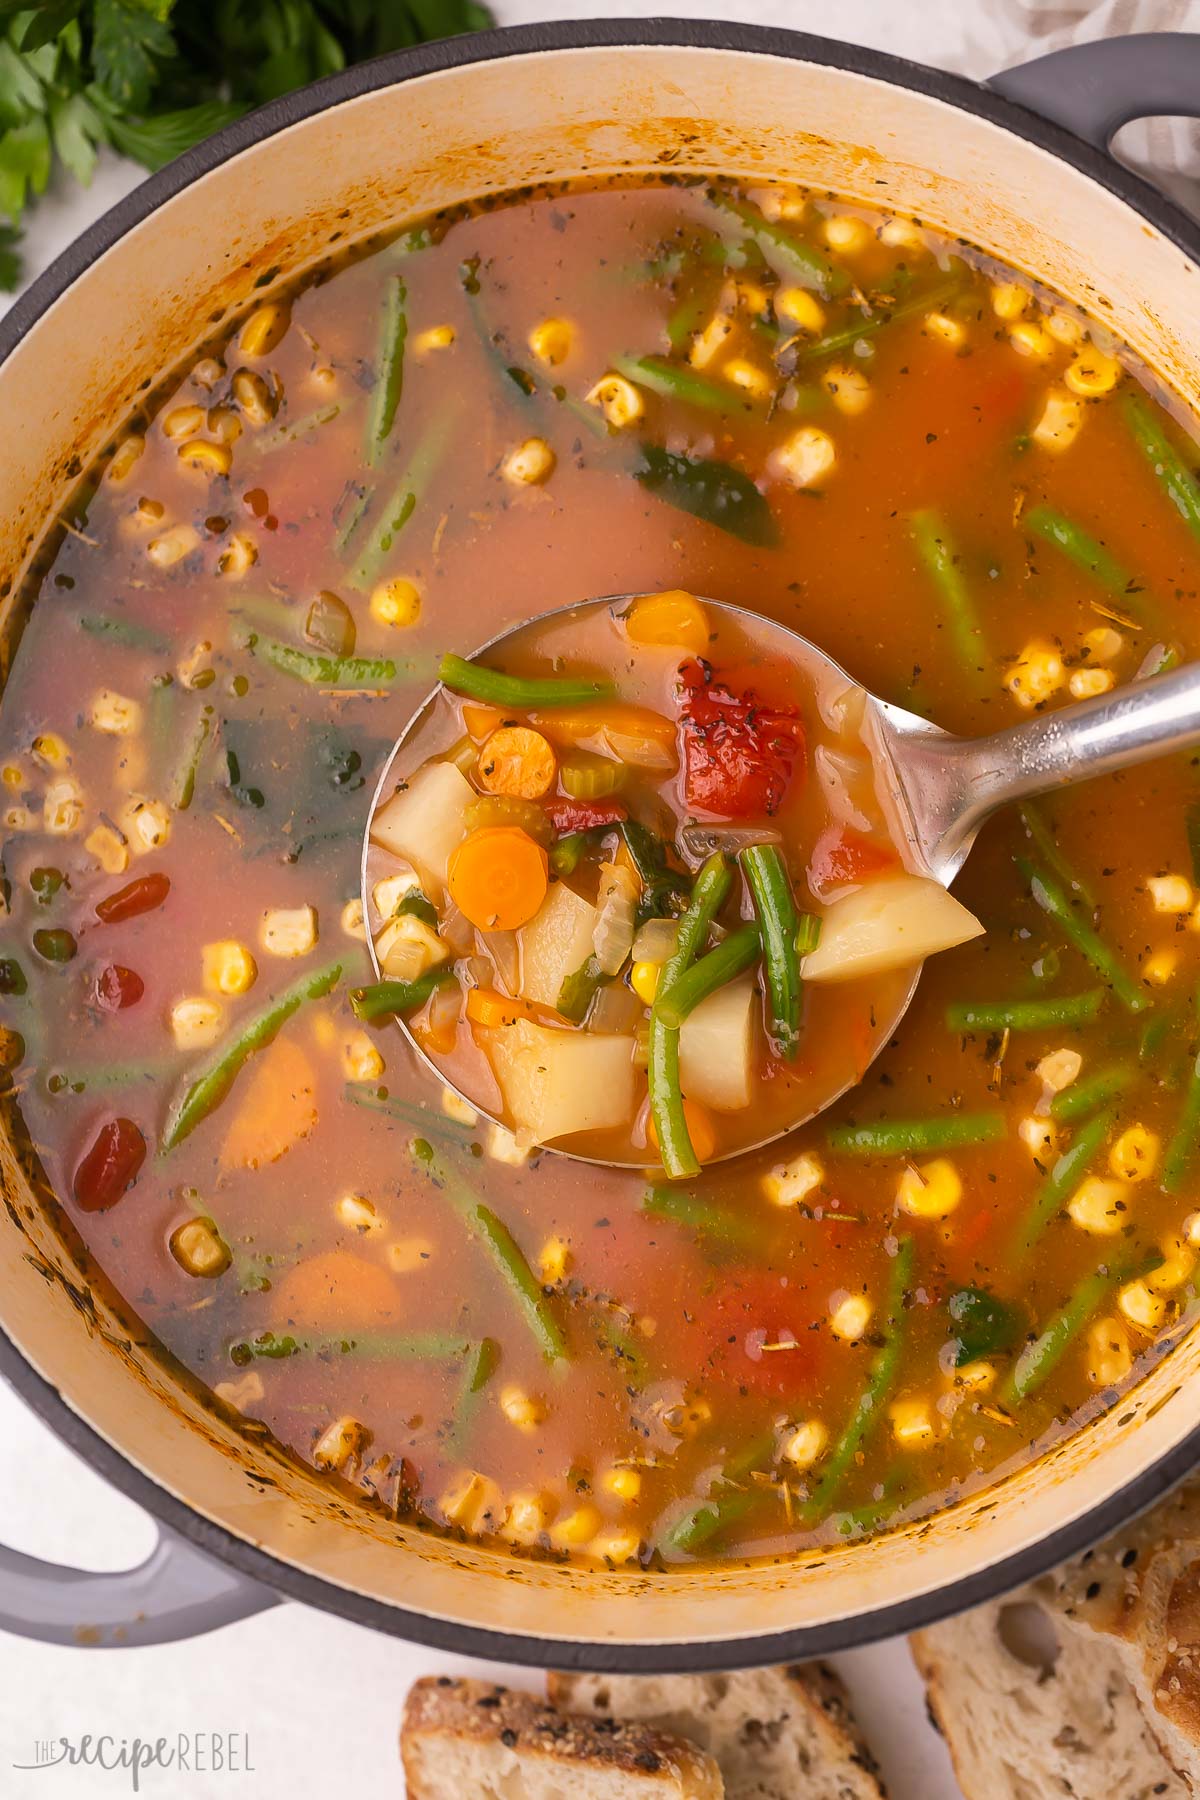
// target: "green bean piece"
[[1087, 553], [290, 431], [686, 317], [880, 1380], [787, 253], [1170, 469], [661, 884], [1046, 845], [518, 383], [771, 889], [207, 1091], [389, 372], [396, 999], [482, 1361], [738, 952], [103, 1077], [567, 852], [1181, 1151], [521, 692], [904, 1137], [1083, 1097], [325, 671], [716, 492], [1069, 1169], [160, 722], [674, 381], [662, 1074], [928, 300], [678, 1207], [1026, 1015], [381, 1346], [941, 562], [808, 933], [1039, 1359], [349, 513], [404, 498], [700, 1524], [1192, 819], [406, 1112], [124, 631], [189, 768], [1056, 904], [495, 1237], [578, 991]]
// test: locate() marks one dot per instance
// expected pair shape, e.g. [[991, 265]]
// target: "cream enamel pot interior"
[[241, 1525]]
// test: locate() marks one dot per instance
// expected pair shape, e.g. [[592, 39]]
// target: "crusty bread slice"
[[1033, 1708], [777, 1734], [471, 1739]]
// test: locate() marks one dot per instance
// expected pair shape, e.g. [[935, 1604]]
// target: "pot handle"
[[1094, 89], [177, 1592]]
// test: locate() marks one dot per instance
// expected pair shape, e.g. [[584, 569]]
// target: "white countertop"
[[321, 1699]]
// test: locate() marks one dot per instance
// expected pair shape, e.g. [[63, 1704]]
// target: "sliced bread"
[[470, 1738], [1034, 1708], [777, 1734]]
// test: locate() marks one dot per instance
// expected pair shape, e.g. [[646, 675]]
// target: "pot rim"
[[802, 1642]]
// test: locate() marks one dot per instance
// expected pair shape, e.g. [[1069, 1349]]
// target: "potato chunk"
[[716, 1048], [556, 1083], [425, 821], [556, 942], [888, 924]]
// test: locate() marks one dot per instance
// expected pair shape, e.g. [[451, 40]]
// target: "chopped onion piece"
[[612, 935]]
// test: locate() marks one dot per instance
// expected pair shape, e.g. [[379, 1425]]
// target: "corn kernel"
[[228, 967], [339, 1445], [913, 1424], [848, 388], [435, 337], [396, 602], [1059, 1069], [1032, 340], [1058, 424], [1036, 675], [849, 1316], [1009, 300], [1093, 373], [1171, 893], [62, 807], [324, 1030], [109, 849], [473, 1501], [195, 670], [1141, 1306], [1099, 1205], [554, 1260], [503, 1147], [254, 396], [1160, 967], [183, 422], [1085, 684], [407, 1255], [575, 1528], [17, 818], [51, 750], [1065, 328], [615, 1545], [244, 1393], [361, 1058], [351, 919], [798, 308], [977, 1376], [807, 457], [622, 1483], [525, 1411], [146, 824], [407, 947], [706, 344], [1103, 644], [789, 1183], [113, 713], [239, 554], [196, 1023], [551, 341], [353, 1212], [1134, 1156], [1039, 1136], [1176, 1267], [172, 546], [901, 234], [805, 1444], [529, 464], [618, 399], [199, 1249], [289, 931], [528, 1517], [210, 460], [387, 894], [847, 234], [687, 1418], [224, 425], [125, 457], [264, 329], [782, 200], [749, 377], [932, 1191], [951, 331], [1109, 1358], [458, 1109], [643, 979]]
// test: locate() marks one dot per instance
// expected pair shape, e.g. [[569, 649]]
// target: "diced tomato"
[[141, 895], [118, 987], [739, 755], [583, 815], [842, 857], [110, 1166], [763, 1335]]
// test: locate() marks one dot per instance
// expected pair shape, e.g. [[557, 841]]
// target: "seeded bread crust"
[[463, 1738], [777, 1734]]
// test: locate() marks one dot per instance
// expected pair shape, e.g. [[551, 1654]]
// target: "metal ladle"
[[937, 789]]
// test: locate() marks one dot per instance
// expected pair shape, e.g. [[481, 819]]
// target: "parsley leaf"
[[128, 42], [10, 261]]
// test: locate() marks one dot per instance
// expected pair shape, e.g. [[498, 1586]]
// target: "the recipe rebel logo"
[[185, 1753]]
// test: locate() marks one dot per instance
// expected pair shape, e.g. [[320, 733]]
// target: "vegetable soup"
[[948, 479]]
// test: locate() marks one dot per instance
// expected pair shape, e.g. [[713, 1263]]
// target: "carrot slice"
[[336, 1291], [278, 1108], [674, 619], [481, 721], [488, 1007], [700, 1130], [633, 734], [498, 877], [517, 761]]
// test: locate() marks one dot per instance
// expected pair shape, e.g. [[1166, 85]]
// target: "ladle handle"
[[1093, 737]]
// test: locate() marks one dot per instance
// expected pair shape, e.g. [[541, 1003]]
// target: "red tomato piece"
[[110, 1167], [141, 895], [738, 754], [118, 987], [583, 815], [763, 1335], [842, 857]]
